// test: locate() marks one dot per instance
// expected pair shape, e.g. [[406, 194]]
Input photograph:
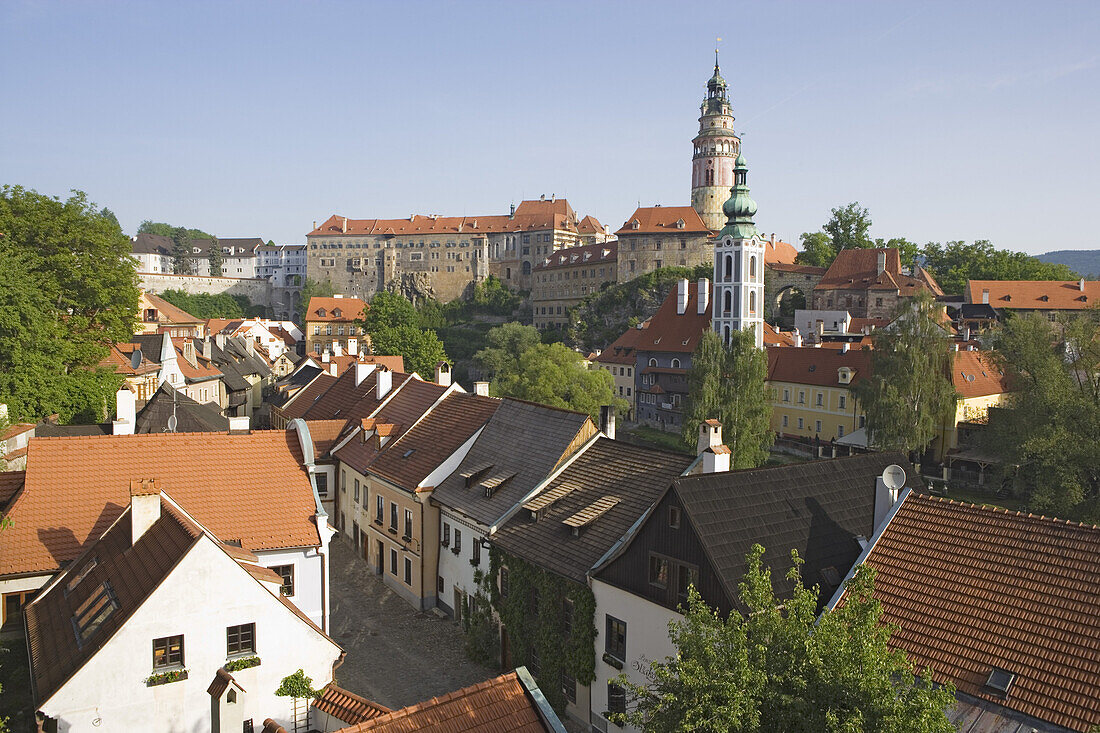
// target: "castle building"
[[739, 255], [716, 148]]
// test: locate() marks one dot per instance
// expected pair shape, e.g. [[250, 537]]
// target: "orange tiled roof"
[[589, 254], [249, 487], [779, 252], [974, 588], [662, 220], [494, 706], [976, 374], [118, 358], [166, 312], [589, 225], [818, 367], [347, 706], [16, 429], [10, 484], [351, 309], [528, 217], [774, 337], [857, 269], [1037, 294], [393, 363], [324, 433], [624, 349], [670, 331]]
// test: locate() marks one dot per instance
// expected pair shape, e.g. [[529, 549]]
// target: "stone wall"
[[642, 253], [258, 291]]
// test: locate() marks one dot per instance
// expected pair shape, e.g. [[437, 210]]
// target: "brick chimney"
[[681, 296], [125, 412], [144, 506]]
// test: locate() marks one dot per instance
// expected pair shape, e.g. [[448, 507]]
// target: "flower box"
[[234, 665], [612, 661], [164, 678]]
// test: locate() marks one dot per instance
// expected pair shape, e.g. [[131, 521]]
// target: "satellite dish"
[[172, 422], [893, 477], [135, 359]]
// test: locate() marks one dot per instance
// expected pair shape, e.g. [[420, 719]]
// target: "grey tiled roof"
[[191, 416], [549, 432], [636, 476]]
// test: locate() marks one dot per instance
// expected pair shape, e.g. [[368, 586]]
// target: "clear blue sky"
[[948, 120]]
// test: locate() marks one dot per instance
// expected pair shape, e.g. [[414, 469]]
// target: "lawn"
[[15, 698], [653, 438]]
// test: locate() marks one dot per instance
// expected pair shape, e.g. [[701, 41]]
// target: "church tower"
[[739, 265], [716, 147]]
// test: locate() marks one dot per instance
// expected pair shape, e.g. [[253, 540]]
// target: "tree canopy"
[[779, 667], [221, 305], [68, 289], [215, 258], [849, 228], [167, 230], [310, 289], [393, 325], [954, 263], [523, 367], [1046, 435], [727, 384], [909, 397]]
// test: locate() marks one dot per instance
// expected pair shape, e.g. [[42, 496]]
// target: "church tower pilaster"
[[739, 265], [716, 148]]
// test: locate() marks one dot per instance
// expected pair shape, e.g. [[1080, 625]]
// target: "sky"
[[946, 120]]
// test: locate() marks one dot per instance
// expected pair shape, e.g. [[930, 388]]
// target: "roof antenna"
[[173, 421]]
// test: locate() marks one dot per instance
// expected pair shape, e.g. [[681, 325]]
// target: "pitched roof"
[[817, 367], [801, 269], [634, 475], [857, 269], [300, 402], [249, 487], [528, 217], [623, 350], [166, 312], [671, 331], [779, 252], [16, 429], [324, 433], [393, 363], [974, 588], [413, 456], [818, 508], [345, 400], [976, 374], [663, 220], [191, 416], [589, 225], [592, 254], [494, 706], [119, 358], [347, 706], [11, 482], [494, 454], [774, 337], [1038, 294], [351, 309]]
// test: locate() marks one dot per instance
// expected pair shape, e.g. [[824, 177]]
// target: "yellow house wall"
[[830, 413]]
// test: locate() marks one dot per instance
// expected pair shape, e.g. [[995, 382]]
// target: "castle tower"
[[716, 148], [739, 265]]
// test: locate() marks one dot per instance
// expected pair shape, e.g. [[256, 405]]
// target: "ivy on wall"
[[479, 623], [533, 612]]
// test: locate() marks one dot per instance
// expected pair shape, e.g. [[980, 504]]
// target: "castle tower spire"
[[739, 264], [716, 147]]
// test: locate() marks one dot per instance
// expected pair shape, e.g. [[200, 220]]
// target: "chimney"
[[955, 347], [326, 357], [189, 352], [443, 374], [314, 225], [985, 296], [345, 225], [481, 388], [144, 507], [337, 348], [1081, 285], [797, 338], [385, 381], [353, 346], [125, 412], [542, 197], [219, 339], [607, 420], [710, 435], [704, 295], [716, 459], [362, 371], [880, 265], [334, 369], [844, 347], [239, 425], [681, 296], [338, 295], [966, 333], [206, 349]]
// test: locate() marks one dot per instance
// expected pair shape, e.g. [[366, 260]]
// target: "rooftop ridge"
[[1008, 512], [263, 432]]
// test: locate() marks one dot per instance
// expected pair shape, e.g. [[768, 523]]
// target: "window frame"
[[287, 573], [239, 631], [615, 638], [169, 659]]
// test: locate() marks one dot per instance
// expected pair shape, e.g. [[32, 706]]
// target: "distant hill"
[[1084, 261]]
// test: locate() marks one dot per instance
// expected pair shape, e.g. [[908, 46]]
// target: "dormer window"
[[322, 312], [680, 224], [635, 224], [844, 375], [336, 313]]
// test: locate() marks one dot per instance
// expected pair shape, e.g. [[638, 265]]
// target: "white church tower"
[[739, 265]]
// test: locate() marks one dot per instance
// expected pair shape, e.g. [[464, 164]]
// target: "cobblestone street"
[[396, 656]]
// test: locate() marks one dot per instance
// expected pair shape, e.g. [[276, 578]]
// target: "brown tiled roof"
[[166, 312], [528, 217], [249, 487], [779, 252], [324, 433], [974, 588], [976, 374], [545, 207], [774, 337], [589, 254], [1058, 294], [670, 331], [662, 220], [589, 225], [412, 457], [16, 429], [351, 309], [856, 325], [118, 358], [347, 706], [818, 367], [857, 269], [221, 681], [307, 396], [498, 705], [624, 349], [204, 368], [11, 482]]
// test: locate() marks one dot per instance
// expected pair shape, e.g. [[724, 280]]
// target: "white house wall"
[[456, 570], [309, 574], [203, 595]]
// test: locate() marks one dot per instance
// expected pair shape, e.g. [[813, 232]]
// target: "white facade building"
[[739, 265]]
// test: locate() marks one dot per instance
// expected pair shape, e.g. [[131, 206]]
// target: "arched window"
[[231, 697], [752, 301], [727, 302], [526, 268], [653, 362], [675, 363], [729, 267], [752, 267]]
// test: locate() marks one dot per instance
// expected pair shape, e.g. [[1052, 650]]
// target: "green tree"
[[214, 256], [505, 344], [778, 666], [110, 217], [494, 298], [393, 325], [166, 230], [817, 250], [181, 252], [205, 305], [1046, 435], [727, 384], [67, 290], [848, 228], [310, 289], [954, 263], [909, 397]]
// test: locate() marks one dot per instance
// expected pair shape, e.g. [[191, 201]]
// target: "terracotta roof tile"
[[670, 331], [249, 487], [976, 374], [624, 349], [779, 252], [663, 220], [974, 588], [11, 482], [167, 313], [494, 706], [809, 365], [529, 216], [351, 309], [324, 433], [589, 254], [589, 225], [1037, 294], [347, 706], [857, 269], [16, 429]]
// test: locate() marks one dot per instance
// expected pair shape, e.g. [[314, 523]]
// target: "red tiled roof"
[[498, 705], [974, 588], [857, 269], [779, 252], [118, 358], [248, 487], [324, 433], [775, 337], [809, 365], [351, 309], [589, 225], [976, 374], [204, 368], [347, 706], [856, 325], [304, 399], [670, 331], [802, 269], [586, 254], [529, 216], [166, 312], [622, 350], [662, 220], [393, 363], [1058, 294]]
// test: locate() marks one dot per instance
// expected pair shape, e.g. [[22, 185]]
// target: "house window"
[[863, 421], [379, 508], [674, 517], [240, 639], [786, 395], [784, 421], [840, 431], [408, 571], [616, 699], [567, 616], [355, 497], [685, 578], [408, 524], [801, 398], [446, 534], [817, 426], [504, 582], [843, 399], [801, 423], [393, 516], [475, 552], [286, 572], [458, 541], [658, 571], [820, 397], [393, 561], [615, 639], [168, 652], [343, 482]]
